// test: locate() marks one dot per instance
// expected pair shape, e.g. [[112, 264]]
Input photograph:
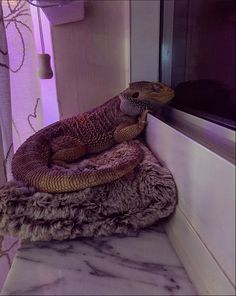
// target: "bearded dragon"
[[120, 119]]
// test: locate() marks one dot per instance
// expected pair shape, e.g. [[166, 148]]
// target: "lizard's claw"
[[142, 119]]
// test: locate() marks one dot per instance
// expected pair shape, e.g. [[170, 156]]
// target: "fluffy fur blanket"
[[134, 201]]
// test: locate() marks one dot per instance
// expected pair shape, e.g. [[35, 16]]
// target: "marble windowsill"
[[141, 265]]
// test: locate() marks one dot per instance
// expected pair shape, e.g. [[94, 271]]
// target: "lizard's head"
[[144, 95]]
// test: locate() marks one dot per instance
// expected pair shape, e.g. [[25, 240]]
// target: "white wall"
[[203, 227], [144, 40], [92, 56]]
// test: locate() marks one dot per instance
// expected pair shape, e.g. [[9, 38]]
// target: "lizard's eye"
[[135, 95]]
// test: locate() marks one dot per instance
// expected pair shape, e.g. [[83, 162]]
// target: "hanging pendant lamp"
[[44, 59]]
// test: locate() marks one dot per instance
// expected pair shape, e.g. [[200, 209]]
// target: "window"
[[198, 57]]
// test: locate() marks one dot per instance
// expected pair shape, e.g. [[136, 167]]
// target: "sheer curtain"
[[20, 97], [5, 102]]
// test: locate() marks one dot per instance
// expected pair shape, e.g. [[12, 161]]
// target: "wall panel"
[[92, 56], [206, 189]]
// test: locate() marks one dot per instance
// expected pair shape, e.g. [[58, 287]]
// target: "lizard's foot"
[[142, 119], [126, 132]]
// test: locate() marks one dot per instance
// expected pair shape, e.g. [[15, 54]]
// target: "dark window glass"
[[203, 62]]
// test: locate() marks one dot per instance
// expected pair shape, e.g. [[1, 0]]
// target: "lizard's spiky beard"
[[128, 107]]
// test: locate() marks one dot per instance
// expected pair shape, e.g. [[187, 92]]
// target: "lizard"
[[122, 118]]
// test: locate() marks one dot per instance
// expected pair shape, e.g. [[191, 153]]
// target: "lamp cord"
[[41, 30]]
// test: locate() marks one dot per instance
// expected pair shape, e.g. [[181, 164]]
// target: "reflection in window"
[[200, 35]]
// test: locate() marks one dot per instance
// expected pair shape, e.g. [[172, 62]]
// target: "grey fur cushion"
[[135, 201]]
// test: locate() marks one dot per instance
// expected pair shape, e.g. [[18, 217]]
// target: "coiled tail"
[[31, 164]]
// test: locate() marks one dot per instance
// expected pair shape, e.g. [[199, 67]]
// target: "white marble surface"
[[141, 265]]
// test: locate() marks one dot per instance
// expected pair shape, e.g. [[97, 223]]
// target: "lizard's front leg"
[[127, 131]]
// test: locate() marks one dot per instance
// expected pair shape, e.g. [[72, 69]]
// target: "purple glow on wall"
[[48, 86]]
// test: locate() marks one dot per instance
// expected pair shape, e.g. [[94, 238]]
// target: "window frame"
[[165, 61]]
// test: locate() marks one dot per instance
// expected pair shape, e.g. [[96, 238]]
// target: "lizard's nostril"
[[135, 95]]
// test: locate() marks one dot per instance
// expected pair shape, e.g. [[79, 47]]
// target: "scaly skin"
[[72, 138]]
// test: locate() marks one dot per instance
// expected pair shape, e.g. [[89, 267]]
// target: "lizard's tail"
[[32, 166]]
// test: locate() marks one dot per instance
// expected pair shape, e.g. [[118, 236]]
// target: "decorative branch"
[[9, 5], [19, 22], [16, 8], [23, 50], [22, 2], [4, 65], [23, 12], [4, 163], [34, 115], [3, 52], [16, 130], [19, 10]]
